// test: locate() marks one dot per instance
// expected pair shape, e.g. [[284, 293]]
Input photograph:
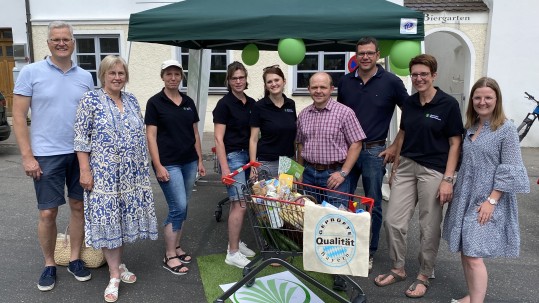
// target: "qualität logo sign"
[[335, 240]]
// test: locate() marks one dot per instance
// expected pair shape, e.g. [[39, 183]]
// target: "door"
[[7, 62]]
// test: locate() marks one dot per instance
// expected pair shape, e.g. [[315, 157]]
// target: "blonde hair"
[[108, 63], [498, 116]]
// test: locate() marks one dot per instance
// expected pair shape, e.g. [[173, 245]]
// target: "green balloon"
[[291, 51], [398, 71], [385, 47], [403, 51], [250, 54]]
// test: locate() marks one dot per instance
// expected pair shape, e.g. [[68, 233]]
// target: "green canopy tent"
[[322, 24], [231, 24]]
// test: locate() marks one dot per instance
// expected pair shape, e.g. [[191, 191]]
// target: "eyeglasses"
[[367, 54], [423, 75], [58, 41], [234, 79], [269, 67], [114, 74]]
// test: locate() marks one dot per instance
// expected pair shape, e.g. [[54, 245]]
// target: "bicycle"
[[524, 127]]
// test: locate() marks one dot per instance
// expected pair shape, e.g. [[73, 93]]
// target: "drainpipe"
[[29, 32]]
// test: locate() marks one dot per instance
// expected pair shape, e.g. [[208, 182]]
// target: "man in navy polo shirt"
[[373, 94]]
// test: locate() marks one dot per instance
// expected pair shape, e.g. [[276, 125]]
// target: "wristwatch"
[[492, 201], [343, 173], [448, 179]]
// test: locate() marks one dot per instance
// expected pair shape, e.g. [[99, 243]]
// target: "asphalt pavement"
[[510, 280]]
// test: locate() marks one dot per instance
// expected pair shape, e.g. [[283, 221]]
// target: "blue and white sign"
[[335, 240], [408, 26]]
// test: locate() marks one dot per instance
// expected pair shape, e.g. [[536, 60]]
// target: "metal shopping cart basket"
[[278, 227]]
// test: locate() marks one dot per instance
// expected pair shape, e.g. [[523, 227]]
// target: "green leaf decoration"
[[273, 291]]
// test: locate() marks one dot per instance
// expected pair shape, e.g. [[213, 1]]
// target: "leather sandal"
[[126, 276], [176, 269], [396, 278], [111, 292], [412, 287], [184, 256]]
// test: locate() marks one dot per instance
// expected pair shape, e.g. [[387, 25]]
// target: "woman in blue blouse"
[[114, 170], [482, 220]]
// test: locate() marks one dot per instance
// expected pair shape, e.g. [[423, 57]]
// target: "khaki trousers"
[[414, 185]]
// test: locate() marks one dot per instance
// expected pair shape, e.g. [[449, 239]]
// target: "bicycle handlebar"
[[229, 179], [530, 97]]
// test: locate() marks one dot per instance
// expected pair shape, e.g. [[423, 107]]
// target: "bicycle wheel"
[[523, 129]]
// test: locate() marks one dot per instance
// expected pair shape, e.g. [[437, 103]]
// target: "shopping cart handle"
[[229, 179]]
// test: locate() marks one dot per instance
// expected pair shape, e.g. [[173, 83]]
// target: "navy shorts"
[[59, 172]]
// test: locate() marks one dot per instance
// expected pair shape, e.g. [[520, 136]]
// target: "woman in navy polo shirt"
[[429, 151], [274, 119], [231, 131], [174, 144]]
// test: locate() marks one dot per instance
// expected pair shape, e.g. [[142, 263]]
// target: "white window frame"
[[211, 89], [96, 35], [321, 55]]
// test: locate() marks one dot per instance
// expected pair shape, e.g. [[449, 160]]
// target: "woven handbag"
[[93, 258]]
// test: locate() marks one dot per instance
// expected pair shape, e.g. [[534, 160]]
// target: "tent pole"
[[198, 79]]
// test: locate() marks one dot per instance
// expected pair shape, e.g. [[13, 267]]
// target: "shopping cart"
[[278, 228], [217, 169]]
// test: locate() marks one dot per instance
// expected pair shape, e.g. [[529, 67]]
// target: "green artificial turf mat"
[[215, 272]]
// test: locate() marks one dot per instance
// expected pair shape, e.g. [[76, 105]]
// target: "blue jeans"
[[372, 170], [177, 192], [235, 160], [319, 178], [271, 168]]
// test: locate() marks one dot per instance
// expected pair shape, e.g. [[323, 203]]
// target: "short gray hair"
[[60, 24]]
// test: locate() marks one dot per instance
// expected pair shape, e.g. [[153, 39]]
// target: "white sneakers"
[[246, 251], [239, 259]]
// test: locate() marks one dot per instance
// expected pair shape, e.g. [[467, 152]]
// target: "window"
[[91, 49], [334, 63], [219, 62]]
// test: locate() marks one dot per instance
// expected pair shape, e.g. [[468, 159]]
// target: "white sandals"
[[126, 275], [112, 290]]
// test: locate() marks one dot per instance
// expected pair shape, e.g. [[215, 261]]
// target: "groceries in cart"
[[276, 209]]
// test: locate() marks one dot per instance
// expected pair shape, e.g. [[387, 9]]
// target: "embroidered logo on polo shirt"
[[433, 117], [186, 108], [288, 110]]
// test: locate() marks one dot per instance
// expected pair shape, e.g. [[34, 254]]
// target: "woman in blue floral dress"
[[482, 219], [114, 167]]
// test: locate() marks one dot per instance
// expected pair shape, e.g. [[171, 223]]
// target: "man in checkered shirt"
[[329, 138], [329, 141]]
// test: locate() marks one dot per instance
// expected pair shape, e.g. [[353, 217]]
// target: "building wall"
[[511, 59], [494, 56], [13, 15]]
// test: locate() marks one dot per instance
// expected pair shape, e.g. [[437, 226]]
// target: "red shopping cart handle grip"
[[229, 179]]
